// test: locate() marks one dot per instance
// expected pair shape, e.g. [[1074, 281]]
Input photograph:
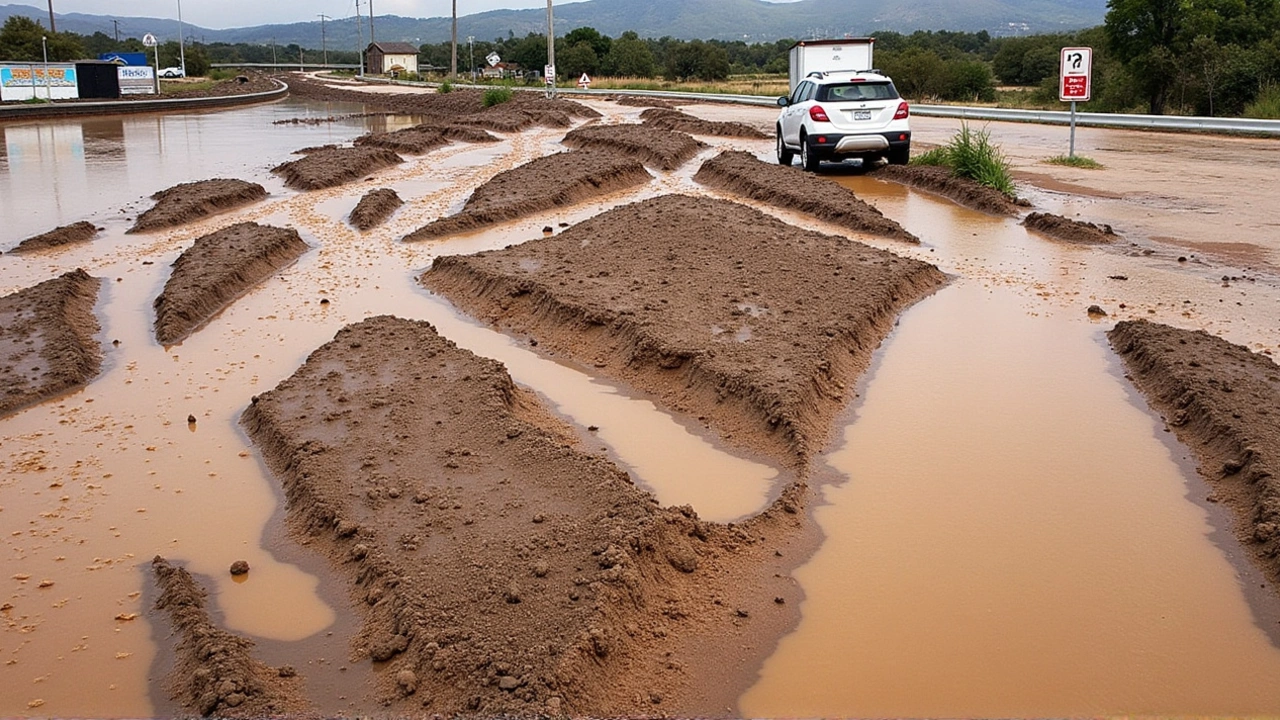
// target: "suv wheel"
[[785, 154], [808, 160]]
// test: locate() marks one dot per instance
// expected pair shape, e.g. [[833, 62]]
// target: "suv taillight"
[[903, 112], [817, 114]]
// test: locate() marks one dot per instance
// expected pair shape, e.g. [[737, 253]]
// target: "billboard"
[[27, 81], [125, 58], [137, 80]]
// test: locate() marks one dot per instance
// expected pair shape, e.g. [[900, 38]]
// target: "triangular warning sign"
[[584, 81]]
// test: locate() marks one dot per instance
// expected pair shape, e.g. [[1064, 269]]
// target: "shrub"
[[445, 87], [1266, 106], [222, 74], [496, 96], [971, 155]]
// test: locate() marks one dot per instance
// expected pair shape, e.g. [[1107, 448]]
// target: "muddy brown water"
[[1013, 535]]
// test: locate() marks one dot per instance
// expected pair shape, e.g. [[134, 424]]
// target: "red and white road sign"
[[1076, 75], [584, 81]]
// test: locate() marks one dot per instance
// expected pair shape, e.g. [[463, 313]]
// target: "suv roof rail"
[[825, 73]]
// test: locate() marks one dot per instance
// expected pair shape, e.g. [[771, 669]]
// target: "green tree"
[[697, 60], [20, 39], [1147, 35], [600, 44], [629, 56], [575, 60]]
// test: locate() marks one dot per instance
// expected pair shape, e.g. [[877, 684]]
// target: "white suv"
[[844, 114]]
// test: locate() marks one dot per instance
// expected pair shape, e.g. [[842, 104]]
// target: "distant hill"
[[750, 20]]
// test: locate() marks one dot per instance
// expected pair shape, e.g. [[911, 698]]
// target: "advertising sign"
[[125, 58], [137, 80], [1076, 78], [25, 82]]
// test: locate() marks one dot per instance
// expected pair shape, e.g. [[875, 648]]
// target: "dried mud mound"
[[47, 341], [662, 149], [940, 181], [1058, 227], [1223, 402], [548, 182], [374, 208], [729, 315], [499, 570], [667, 119], [326, 168], [216, 270], [191, 201], [80, 232], [215, 674], [790, 189]]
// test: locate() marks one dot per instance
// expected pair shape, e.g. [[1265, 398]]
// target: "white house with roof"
[[384, 58]]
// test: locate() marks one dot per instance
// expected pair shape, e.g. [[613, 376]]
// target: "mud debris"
[[669, 119], [216, 270], [192, 201], [326, 168], [646, 102], [374, 208], [1061, 228], [47, 343], [409, 141], [553, 181], [940, 181], [790, 189], [80, 232], [657, 148], [723, 312]]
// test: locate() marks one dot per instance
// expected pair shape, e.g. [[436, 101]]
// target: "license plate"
[[861, 114]]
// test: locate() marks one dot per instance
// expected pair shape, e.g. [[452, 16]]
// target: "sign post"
[[1075, 82], [149, 40]]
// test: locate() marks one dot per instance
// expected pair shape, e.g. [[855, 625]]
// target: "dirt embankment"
[[1223, 402], [755, 327], [1060, 228], [47, 341], [374, 208], [646, 102], [324, 167], [215, 673], [548, 182], [940, 181], [410, 141], [668, 119], [499, 569], [790, 189], [662, 149], [80, 232], [216, 270], [191, 201]]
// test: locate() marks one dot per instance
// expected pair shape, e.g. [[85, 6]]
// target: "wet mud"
[[752, 326], [216, 270], [326, 168], [47, 343], [553, 181], [409, 141], [742, 173], [668, 119], [940, 181], [661, 149], [645, 102], [192, 201], [374, 208], [80, 232], [1223, 402], [215, 673], [499, 568], [1068, 230]]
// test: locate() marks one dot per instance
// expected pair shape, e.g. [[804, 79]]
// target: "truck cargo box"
[[826, 55]]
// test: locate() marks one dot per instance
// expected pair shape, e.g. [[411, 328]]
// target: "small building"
[[384, 58], [501, 70]]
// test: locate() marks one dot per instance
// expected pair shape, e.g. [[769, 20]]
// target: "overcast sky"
[[241, 13]]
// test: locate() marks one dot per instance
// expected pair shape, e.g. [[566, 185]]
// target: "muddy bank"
[[790, 189], [216, 270], [80, 232], [940, 181], [1223, 402], [374, 208], [324, 168], [668, 119], [755, 327], [1060, 228], [661, 149], [499, 569], [553, 181], [215, 673], [47, 343], [409, 141], [646, 102], [191, 201]]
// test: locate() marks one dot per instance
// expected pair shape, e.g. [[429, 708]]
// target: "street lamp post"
[[52, 28], [48, 88], [182, 53]]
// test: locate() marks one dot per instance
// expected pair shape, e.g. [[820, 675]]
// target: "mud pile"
[[646, 102], [216, 270], [215, 673], [662, 149], [787, 188], [1058, 227], [548, 182], [940, 181], [324, 168], [80, 232], [410, 141], [668, 119], [499, 570], [47, 341], [1223, 402], [374, 208], [460, 133], [755, 327], [191, 201]]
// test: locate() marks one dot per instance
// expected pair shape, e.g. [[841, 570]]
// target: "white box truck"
[[826, 55]]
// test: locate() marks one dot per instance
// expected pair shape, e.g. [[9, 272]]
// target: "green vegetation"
[[445, 87], [222, 74], [938, 156], [497, 96], [1077, 161], [970, 154], [1267, 104]]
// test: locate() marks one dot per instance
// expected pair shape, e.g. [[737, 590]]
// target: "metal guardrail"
[[288, 66], [120, 107]]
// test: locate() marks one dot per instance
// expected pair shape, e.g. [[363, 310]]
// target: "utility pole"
[[372, 40], [471, 55], [273, 51], [324, 47], [52, 27], [551, 49], [359, 38], [182, 53], [116, 23], [453, 62]]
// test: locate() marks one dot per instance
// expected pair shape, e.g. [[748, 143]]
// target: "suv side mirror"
[[784, 101]]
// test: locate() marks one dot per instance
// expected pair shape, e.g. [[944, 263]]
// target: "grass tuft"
[[445, 87], [936, 157], [496, 96], [1079, 161], [970, 154]]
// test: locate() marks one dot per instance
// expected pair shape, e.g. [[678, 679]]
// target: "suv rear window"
[[857, 92]]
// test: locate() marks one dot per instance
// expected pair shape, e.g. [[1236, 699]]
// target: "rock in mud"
[[792, 189], [1060, 228], [940, 181], [669, 119], [240, 567], [655, 147], [80, 232], [47, 344], [374, 208], [326, 168], [216, 270], [188, 202]]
